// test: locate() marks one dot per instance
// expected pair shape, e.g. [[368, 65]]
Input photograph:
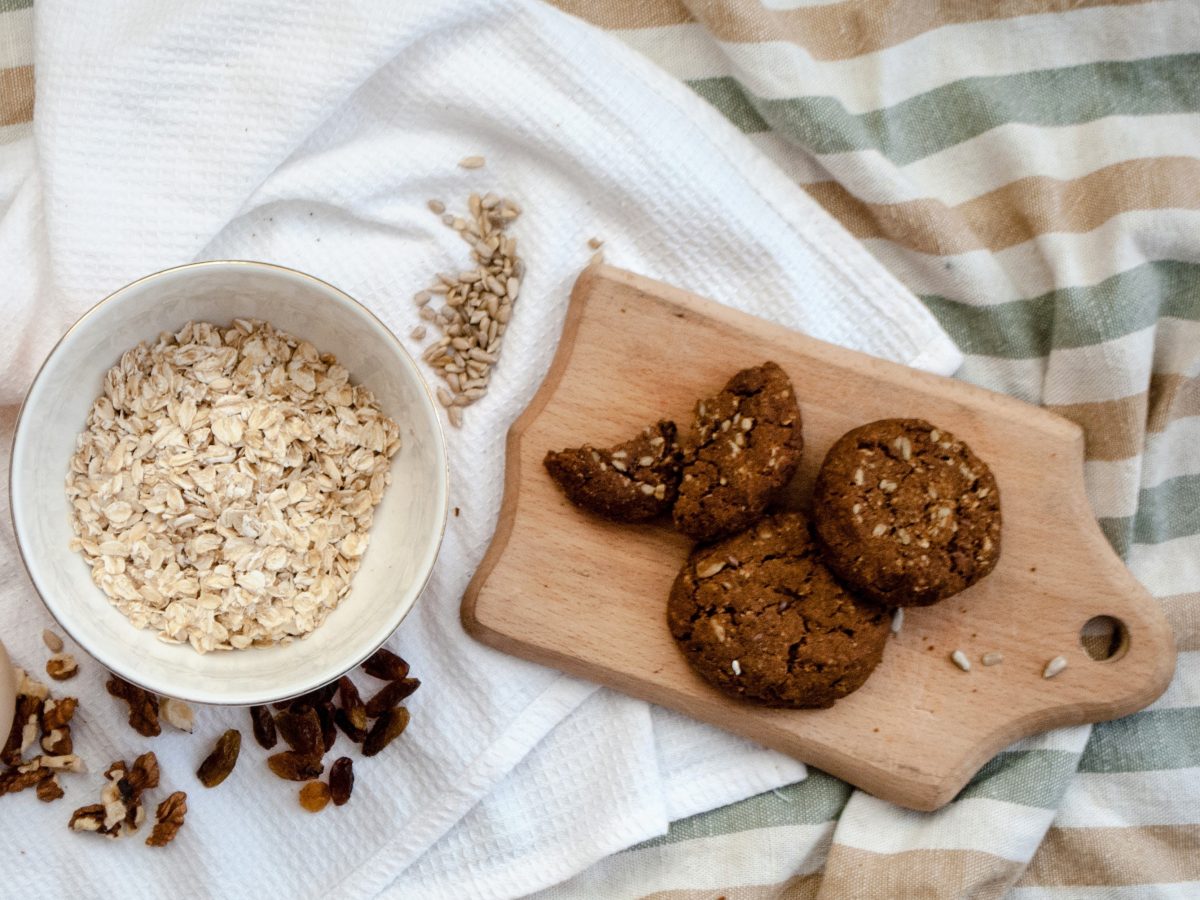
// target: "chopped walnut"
[[177, 713], [48, 789], [120, 811], [143, 706], [62, 666], [168, 820]]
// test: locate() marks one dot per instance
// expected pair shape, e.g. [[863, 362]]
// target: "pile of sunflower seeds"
[[476, 304]]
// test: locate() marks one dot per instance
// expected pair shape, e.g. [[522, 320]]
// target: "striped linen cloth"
[[1031, 169]]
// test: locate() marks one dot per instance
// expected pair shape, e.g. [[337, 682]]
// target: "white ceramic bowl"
[[408, 526]]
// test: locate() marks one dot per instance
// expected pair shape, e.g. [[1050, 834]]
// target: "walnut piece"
[[168, 820], [143, 706], [62, 666]]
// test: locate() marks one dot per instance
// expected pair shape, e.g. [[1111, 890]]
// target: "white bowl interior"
[[408, 523]]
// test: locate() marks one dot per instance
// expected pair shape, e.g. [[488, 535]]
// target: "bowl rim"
[[439, 434]]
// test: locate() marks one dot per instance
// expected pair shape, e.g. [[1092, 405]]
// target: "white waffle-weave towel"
[[312, 136]]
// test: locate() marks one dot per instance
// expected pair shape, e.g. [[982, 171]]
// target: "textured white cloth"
[[312, 137]]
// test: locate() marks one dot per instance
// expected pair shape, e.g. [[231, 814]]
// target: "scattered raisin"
[[325, 715], [217, 766], [300, 729], [386, 665], [391, 695], [264, 727], [341, 780], [314, 796], [317, 697], [168, 820], [292, 766], [386, 729], [352, 717], [143, 706]]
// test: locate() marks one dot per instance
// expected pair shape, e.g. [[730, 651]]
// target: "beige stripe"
[[1115, 429], [16, 95], [627, 13], [828, 31], [1183, 612], [1020, 210], [1147, 854], [933, 874], [801, 887]]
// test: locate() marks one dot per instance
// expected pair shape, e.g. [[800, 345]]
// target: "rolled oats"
[[224, 486]]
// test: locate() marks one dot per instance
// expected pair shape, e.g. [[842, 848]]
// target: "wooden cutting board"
[[573, 591]]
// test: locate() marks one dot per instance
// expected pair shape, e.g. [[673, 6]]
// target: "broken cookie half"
[[745, 450], [631, 482]]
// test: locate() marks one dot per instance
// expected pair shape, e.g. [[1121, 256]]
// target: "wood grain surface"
[[570, 590]]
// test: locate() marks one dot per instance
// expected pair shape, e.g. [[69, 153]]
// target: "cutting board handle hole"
[[1104, 638]]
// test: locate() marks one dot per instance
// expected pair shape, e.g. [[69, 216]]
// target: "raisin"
[[391, 695], [292, 766], [356, 727], [217, 766], [301, 729], [317, 697], [143, 706], [386, 729], [352, 717], [264, 727], [341, 780], [325, 715], [386, 665], [314, 796]]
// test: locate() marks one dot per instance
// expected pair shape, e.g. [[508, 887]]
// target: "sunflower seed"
[[897, 620], [417, 333], [960, 659], [1055, 666], [472, 162], [52, 641], [992, 659]]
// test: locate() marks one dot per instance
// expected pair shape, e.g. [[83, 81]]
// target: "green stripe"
[[1164, 512], [14, 5], [1029, 777], [922, 125], [1152, 739], [727, 95], [1074, 316], [819, 798]]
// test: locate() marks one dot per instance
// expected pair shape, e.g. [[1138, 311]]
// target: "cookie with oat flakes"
[[745, 450], [631, 482], [907, 514], [761, 618]]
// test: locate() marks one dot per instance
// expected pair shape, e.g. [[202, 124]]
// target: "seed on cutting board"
[[341, 780], [992, 659], [314, 796], [472, 162], [386, 665], [218, 764], [386, 729], [264, 727], [52, 641], [960, 659], [897, 620], [1055, 666]]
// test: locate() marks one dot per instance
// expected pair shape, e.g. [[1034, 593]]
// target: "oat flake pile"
[[224, 486]]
